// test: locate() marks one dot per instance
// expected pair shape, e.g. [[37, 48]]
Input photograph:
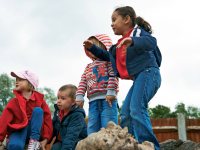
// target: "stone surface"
[[179, 145], [113, 137]]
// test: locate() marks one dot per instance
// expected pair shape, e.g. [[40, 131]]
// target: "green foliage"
[[6, 86], [160, 111], [180, 108], [6, 92], [49, 96]]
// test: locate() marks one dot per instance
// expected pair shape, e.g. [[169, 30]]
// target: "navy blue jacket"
[[143, 53], [72, 128]]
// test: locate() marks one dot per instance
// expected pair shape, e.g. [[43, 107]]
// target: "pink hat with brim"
[[28, 75]]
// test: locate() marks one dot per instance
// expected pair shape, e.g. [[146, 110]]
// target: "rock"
[[179, 145], [113, 137], [2, 147]]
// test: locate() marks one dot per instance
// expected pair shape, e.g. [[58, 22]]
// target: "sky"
[[47, 37]]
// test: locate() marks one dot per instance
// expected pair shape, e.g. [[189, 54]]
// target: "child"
[[68, 121], [27, 116], [101, 86], [134, 57]]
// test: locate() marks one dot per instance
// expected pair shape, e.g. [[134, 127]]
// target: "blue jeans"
[[18, 139], [134, 113], [100, 113]]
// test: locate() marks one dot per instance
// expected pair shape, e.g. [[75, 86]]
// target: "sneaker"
[[33, 145]]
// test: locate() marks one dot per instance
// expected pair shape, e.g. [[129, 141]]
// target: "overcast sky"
[[46, 37]]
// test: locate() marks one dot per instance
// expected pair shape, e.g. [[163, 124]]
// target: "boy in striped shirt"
[[101, 85]]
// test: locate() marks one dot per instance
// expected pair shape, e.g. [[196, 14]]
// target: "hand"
[[80, 103], [87, 44], [126, 42], [109, 99], [43, 144], [49, 146]]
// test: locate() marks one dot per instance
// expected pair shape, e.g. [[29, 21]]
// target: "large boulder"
[[113, 137], [172, 144]]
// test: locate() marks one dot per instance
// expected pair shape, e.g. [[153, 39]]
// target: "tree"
[[180, 108], [49, 96], [6, 92], [160, 111], [193, 112], [6, 86]]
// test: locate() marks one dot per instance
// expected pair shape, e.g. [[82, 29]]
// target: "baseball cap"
[[28, 75]]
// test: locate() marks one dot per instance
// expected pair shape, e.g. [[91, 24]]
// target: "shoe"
[[33, 145]]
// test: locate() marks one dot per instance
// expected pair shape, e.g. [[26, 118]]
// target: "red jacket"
[[14, 116]]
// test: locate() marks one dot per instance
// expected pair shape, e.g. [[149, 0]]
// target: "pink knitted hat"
[[28, 75]]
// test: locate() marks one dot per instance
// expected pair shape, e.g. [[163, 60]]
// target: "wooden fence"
[[177, 128]]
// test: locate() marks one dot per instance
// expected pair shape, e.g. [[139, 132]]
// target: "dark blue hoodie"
[[72, 128], [143, 53]]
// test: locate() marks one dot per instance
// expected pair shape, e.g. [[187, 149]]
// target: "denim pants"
[[100, 113], [18, 139], [134, 113]]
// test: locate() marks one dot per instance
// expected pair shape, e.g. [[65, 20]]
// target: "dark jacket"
[[72, 128], [143, 53]]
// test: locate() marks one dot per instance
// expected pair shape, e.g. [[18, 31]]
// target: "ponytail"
[[129, 11], [144, 24]]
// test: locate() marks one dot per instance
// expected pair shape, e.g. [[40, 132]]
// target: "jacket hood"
[[104, 39]]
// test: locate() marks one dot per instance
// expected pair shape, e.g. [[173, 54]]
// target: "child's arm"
[[97, 51], [112, 86], [5, 118], [47, 129], [74, 128], [80, 93]]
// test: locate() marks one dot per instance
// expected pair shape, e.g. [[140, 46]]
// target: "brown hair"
[[129, 11], [72, 88]]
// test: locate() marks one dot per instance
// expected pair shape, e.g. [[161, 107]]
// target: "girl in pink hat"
[[27, 117], [101, 86]]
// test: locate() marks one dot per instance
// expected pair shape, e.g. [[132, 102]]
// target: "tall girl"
[[135, 57]]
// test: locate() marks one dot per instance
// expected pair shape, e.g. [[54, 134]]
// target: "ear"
[[127, 19]]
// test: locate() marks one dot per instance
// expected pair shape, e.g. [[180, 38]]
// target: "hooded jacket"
[[72, 128], [98, 78], [143, 53], [14, 116]]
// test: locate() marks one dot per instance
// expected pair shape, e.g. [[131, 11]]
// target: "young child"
[[68, 120], [137, 57], [101, 86], [26, 117]]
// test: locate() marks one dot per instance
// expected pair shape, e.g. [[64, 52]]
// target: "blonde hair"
[[30, 86], [97, 42]]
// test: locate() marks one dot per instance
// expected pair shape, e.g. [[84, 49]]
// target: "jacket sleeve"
[[74, 128], [100, 53], [5, 118], [143, 41], [80, 93], [47, 129], [113, 82]]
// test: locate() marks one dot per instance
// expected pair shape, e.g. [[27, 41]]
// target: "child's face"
[[64, 102], [118, 23], [21, 85]]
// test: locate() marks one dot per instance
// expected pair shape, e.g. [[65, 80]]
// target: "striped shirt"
[[98, 80]]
